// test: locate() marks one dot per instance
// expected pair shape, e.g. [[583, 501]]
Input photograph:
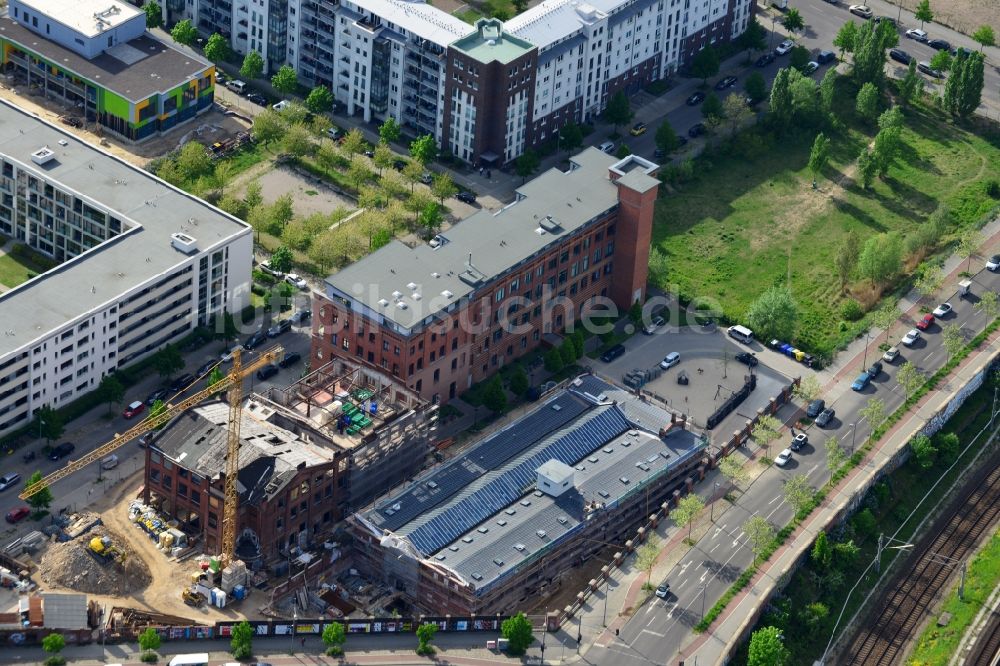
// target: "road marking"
[[655, 633], [725, 527], [685, 566], [683, 582], [702, 579], [774, 500], [812, 469], [714, 547], [773, 512], [929, 354], [718, 531], [649, 609]]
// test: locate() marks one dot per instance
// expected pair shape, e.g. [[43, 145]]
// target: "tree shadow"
[[849, 209], [725, 572], [921, 203]]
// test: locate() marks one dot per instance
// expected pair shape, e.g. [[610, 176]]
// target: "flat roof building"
[[483, 532], [140, 264], [96, 56]]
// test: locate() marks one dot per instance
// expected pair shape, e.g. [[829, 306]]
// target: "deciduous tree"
[[526, 164], [819, 155], [666, 138], [910, 378], [847, 257], [765, 431], [645, 557], [985, 36], [822, 552], [773, 314], [754, 38], [953, 339], [319, 100], [874, 412], [285, 80], [705, 64], [517, 629], [149, 640], [835, 454], [423, 149], [923, 12], [846, 38], [268, 127], [111, 390], [154, 15], [963, 90], [167, 361], [425, 634], [924, 451], [735, 111], [217, 48], [881, 259], [334, 637], [494, 397], [755, 87], [570, 137], [688, 508], [183, 32], [781, 107], [798, 58], [968, 245], [241, 644], [798, 493], [989, 305], [866, 103], [767, 648], [443, 187], [298, 141], [619, 111], [389, 130], [911, 84], [253, 65], [41, 500], [793, 20], [734, 471], [828, 89], [354, 143], [711, 109], [808, 389], [760, 533]]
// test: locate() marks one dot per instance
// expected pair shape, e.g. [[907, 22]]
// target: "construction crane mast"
[[233, 383]]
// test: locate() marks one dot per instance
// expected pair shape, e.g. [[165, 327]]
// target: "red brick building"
[[442, 315]]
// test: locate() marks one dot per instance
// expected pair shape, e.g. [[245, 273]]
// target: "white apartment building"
[[141, 264]]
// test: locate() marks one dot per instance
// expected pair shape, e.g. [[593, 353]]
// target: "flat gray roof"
[[496, 241], [152, 67], [82, 15], [153, 208]]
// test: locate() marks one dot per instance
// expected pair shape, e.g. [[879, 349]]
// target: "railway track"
[[891, 625], [986, 651]]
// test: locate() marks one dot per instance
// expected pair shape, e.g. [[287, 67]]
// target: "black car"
[[257, 99], [158, 394], [961, 50], [765, 60], [824, 418], [399, 165], [814, 408], [939, 45], [466, 197], [899, 55], [875, 370], [291, 358], [879, 19], [181, 383], [725, 83], [61, 450], [255, 340], [268, 371], [696, 99], [204, 368], [696, 130], [280, 327], [613, 353], [747, 358]]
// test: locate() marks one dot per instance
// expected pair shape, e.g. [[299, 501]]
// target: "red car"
[[134, 409], [18, 514], [925, 323]]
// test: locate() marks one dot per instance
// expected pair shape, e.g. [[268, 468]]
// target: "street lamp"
[[716, 489], [854, 435], [295, 620], [868, 337]]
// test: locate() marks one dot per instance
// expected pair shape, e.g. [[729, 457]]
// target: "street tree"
[[570, 137], [383, 157], [711, 108], [781, 106], [705, 64], [808, 389], [866, 103], [425, 634], [773, 314], [183, 32], [443, 187], [666, 138], [619, 111], [885, 317], [765, 431], [911, 84], [413, 172], [875, 413], [282, 258], [154, 15], [847, 257], [930, 277], [953, 339], [354, 143], [687, 509], [517, 629], [149, 640], [111, 390], [869, 52], [819, 155], [924, 451], [735, 111], [268, 127], [989, 305], [754, 38], [798, 493], [645, 557], [430, 218], [41, 500], [423, 149], [910, 378], [799, 58], [755, 87], [881, 259], [760, 534], [835, 454], [216, 48], [53, 644], [253, 65], [298, 141], [526, 164], [985, 36], [241, 644], [846, 38], [963, 90], [214, 377], [942, 61], [389, 130], [319, 100], [923, 12], [793, 20], [518, 382], [167, 361], [285, 80], [968, 244], [767, 648], [734, 471], [494, 397], [334, 637]]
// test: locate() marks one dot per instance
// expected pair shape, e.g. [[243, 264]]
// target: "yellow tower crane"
[[233, 383]]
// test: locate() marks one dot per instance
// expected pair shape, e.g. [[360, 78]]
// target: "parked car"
[[725, 83], [61, 450], [861, 382], [875, 370], [181, 383], [765, 60], [961, 50], [917, 35], [654, 324], [939, 44], [911, 338], [800, 440], [399, 165], [301, 316], [268, 371], [18, 514], [466, 197], [993, 263], [670, 360], [695, 99], [810, 67], [205, 368], [158, 394], [926, 68], [296, 281], [334, 133], [255, 340], [613, 353], [783, 458], [824, 57], [815, 407], [257, 99], [426, 177], [784, 48], [696, 130], [662, 590], [291, 358], [824, 418], [282, 105], [901, 56], [228, 356], [891, 354], [134, 409], [747, 358], [280, 327], [9, 479], [926, 322], [863, 11], [942, 309], [887, 19], [265, 266], [638, 129]]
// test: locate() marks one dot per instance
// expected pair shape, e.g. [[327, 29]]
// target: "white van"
[[236, 86], [606, 147], [741, 333], [195, 659]]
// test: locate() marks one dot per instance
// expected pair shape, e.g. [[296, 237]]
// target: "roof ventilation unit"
[[412, 286], [184, 243], [554, 478], [43, 156]]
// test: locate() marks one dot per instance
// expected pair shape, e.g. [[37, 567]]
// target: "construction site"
[[201, 536]]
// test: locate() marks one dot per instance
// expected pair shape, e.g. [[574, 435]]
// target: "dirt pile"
[[70, 564]]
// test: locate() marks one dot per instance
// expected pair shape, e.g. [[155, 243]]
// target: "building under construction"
[[508, 519], [309, 454]]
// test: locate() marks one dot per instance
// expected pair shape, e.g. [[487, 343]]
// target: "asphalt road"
[[658, 630]]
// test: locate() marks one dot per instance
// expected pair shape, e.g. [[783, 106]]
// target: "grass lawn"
[[18, 269], [469, 15], [745, 223]]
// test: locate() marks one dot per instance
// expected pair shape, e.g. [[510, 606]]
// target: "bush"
[[334, 651], [851, 310], [150, 657], [55, 661], [993, 189]]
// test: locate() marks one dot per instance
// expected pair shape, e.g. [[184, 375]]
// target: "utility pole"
[[715, 490]]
